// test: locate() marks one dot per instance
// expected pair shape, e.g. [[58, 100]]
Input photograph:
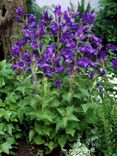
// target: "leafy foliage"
[[82, 8], [106, 22], [9, 127], [107, 114]]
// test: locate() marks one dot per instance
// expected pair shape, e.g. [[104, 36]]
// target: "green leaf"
[[62, 141], [67, 97], [39, 140], [7, 145], [84, 92], [31, 134], [2, 82], [50, 145], [86, 106]]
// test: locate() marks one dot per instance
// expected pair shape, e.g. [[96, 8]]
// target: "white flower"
[[113, 81], [110, 75], [79, 149], [111, 95], [115, 87]]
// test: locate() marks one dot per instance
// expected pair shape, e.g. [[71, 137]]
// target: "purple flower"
[[59, 69], [33, 25], [57, 10], [46, 17], [66, 17], [89, 50], [31, 18], [29, 70], [102, 55], [21, 65], [114, 63], [75, 14], [69, 70], [50, 51], [111, 47], [20, 11], [91, 74], [21, 42], [18, 19], [79, 33], [102, 72], [54, 28], [58, 84], [85, 63], [34, 44], [26, 57], [70, 44], [57, 59], [15, 66], [101, 89], [89, 18], [74, 26], [27, 33], [15, 51]]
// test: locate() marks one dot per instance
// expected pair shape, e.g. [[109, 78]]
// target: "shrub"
[[106, 22]]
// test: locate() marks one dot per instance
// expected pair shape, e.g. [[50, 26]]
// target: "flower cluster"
[[59, 44], [79, 149]]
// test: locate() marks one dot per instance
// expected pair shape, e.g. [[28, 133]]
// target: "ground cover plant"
[[54, 91]]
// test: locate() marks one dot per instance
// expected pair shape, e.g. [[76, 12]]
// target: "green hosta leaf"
[[39, 140]]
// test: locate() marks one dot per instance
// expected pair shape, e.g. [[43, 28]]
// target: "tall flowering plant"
[[63, 59], [58, 44]]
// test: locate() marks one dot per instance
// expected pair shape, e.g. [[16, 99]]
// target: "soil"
[[25, 149]]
